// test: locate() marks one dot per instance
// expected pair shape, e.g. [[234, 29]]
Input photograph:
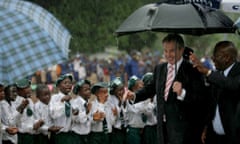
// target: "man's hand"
[[203, 136], [197, 64], [177, 87]]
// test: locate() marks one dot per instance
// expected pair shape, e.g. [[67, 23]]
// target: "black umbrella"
[[190, 18]]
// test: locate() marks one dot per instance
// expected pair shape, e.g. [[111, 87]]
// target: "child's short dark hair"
[[39, 89]]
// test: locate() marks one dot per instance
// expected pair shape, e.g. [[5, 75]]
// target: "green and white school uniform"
[[25, 122], [150, 129], [61, 115], [41, 111], [81, 125], [9, 117], [134, 122], [119, 126], [100, 132]]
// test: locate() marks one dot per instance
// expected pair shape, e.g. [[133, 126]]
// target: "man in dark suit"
[[178, 100], [225, 94]]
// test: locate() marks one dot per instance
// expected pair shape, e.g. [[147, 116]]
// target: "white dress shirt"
[[134, 112], [41, 112], [25, 123], [81, 122], [150, 112], [114, 101], [217, 123], [97, 126], [9, 117], [57, 112]]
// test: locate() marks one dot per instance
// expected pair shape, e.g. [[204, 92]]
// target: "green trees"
[[92, 24]]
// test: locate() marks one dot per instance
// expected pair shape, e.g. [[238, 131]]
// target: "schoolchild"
[[26, 123], [81, 124], [117, 91], [103, 115], [61, 110], [9, 115]]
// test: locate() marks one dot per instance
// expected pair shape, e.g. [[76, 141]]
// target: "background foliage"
[[92, 24]]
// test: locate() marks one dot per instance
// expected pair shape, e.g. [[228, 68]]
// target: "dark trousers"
[[150, 135], [118, 136], [99, 138], [80, 139], [133, 135], [213, 138], [64, 138], [6, 142], [24, 138], [177, 132], [41, 139]]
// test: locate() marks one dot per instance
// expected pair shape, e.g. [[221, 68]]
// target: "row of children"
[[111, 118]]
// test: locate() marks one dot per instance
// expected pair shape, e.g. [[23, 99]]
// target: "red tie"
[[170, 77]]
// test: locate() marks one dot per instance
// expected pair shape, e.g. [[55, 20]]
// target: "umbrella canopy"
[[190, 18], [31, 39]]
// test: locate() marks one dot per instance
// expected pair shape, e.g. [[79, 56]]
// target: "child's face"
[[25, 92], [12, 92], [119, 91], [138, 85], [65, 86], [2, 94], [102, 95], [85, 91], [44, 96]]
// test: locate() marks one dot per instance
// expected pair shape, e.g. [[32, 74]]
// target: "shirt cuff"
[[182, 96]]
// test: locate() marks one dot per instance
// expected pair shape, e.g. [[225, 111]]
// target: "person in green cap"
[[134, 114], [61, 110], [27, 124], [81, 124], [117, 91], [103, 115], [150, 128]]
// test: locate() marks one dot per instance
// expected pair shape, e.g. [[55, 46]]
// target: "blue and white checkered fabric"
[[30, 38]]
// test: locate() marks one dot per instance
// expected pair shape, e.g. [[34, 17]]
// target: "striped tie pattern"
[[170, 77]]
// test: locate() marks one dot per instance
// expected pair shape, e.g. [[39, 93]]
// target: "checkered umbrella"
[[30, 39]]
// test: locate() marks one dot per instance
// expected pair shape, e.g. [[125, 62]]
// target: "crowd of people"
[[175, 100]]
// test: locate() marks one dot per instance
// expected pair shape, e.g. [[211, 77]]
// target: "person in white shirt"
[[61, 110], [150, 129], [41, 111], [81, 125], [103, 115], [27, 124], [9, 116], [117, 91], [134, 114]]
